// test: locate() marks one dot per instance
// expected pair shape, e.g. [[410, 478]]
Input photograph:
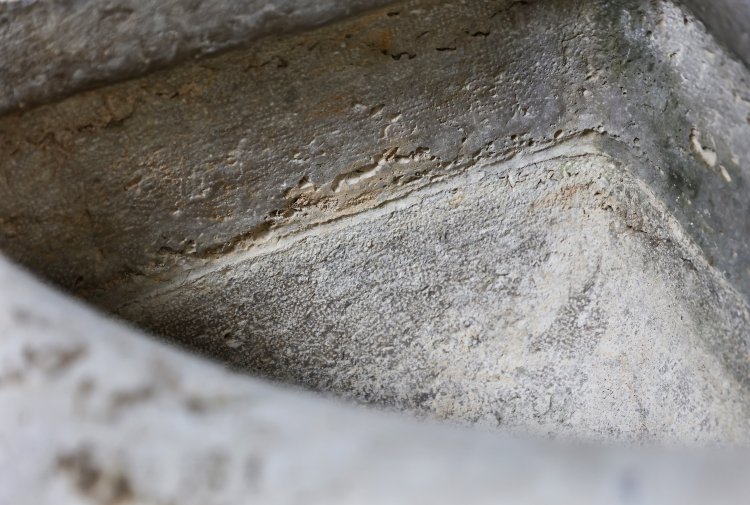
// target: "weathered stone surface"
[[52, 48], [551, 294], [214, 154], [524, 215]]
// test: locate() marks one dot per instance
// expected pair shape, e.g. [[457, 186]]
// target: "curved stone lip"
[[53, 48], [94, 410]]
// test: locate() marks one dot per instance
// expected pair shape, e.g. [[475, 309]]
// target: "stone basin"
[[522, 218]]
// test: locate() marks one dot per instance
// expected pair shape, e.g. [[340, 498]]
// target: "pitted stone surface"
[[525, 216]]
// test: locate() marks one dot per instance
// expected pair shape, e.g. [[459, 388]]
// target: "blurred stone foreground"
[[527, 219]]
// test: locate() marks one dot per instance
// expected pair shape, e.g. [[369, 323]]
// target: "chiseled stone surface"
[[528, 217]]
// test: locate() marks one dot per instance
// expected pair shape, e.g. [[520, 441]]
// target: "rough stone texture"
[[93, 412], [228, 205], [556, 297], [51, 48], [529, 216], [210, 203], [209, 156]]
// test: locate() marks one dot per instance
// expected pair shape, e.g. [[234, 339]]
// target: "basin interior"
[[526, 215]]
